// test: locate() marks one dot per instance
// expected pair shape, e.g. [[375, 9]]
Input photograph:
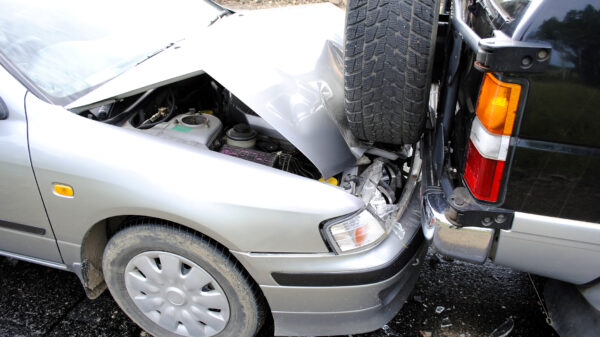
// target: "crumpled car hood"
[[286, 64]]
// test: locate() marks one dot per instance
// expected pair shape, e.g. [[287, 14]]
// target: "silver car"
[[197, 163]]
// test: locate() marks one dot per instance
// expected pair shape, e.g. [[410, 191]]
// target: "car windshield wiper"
[[158, 51]]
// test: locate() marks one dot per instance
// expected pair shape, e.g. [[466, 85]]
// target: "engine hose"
[[129, 111], [146, 125]]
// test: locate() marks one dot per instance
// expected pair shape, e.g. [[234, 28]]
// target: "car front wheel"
[[172, 282]]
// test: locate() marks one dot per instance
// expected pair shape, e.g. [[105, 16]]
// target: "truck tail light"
[[483, 175], [490, 137], [497, 105]]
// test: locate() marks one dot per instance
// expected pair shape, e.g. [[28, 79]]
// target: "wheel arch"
[[98, 235]]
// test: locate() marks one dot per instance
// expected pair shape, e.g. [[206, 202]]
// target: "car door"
[[25, 231]]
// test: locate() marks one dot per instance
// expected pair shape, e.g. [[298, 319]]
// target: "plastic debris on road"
[[446, 323], [504, 329], [389, 331]]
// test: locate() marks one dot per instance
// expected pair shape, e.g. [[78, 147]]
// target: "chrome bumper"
[[466, 243], [471, 244]]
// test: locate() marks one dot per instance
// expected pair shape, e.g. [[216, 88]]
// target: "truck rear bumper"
[[471, 244], [466, 243]]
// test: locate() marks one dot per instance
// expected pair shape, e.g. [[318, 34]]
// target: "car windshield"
[[66, 48]]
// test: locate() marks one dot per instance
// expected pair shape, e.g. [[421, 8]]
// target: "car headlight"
[[371, 224], [356, 231], [363, 228]]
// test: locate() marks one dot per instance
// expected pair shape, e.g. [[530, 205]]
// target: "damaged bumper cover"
[[350, 293]]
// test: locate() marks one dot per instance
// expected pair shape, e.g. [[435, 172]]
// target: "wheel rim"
[[177, 294]]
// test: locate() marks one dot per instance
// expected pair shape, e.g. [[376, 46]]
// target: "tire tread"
[[388, 64]]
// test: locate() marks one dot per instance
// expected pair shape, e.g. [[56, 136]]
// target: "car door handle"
[[3, 110]]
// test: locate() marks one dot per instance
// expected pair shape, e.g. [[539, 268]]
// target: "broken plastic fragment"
[[439, 309], [370, 177], [388, 331], [446, 323], [504, 329], [397, 228]]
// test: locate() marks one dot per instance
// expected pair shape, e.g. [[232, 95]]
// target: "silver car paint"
[[247, 207], [342, 309], [261, 265], [286, 64], [562, 249], [388, 296], [117, 171], [591, 292], [21, 201]]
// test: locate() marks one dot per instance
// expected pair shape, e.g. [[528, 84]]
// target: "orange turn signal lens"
[[63, 190], [497, 105]]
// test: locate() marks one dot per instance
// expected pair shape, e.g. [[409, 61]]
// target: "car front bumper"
[[329, 294]]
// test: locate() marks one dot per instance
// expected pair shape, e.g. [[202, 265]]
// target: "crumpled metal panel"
[[286, 64]]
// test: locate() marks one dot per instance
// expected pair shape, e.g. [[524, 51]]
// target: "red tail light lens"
[[483, 175]]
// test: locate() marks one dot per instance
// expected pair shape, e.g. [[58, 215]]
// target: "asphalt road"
[[476, 300]]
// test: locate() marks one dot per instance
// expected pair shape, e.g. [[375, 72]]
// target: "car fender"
[[117, 171]]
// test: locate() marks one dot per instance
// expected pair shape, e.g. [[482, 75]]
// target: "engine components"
[[241, 135], [199, 112], [268, 159], [190, 128]]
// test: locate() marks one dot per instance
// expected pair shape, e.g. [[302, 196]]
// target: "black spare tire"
[[389, 51]]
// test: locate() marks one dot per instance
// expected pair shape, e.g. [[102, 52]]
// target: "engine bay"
[[200, 112]]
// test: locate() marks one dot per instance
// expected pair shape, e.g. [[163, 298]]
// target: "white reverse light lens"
[[357, 231]]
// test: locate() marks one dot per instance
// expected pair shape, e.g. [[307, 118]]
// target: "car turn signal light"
[[497, 105], [63, 190]]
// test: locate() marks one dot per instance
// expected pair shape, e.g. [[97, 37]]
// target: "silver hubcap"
[[177, 294]]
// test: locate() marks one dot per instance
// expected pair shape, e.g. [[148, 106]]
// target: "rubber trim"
[[557, 147], [361, 277], [22, 228]]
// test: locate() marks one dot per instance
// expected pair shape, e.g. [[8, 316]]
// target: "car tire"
[[172, 282], [388, 61]]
